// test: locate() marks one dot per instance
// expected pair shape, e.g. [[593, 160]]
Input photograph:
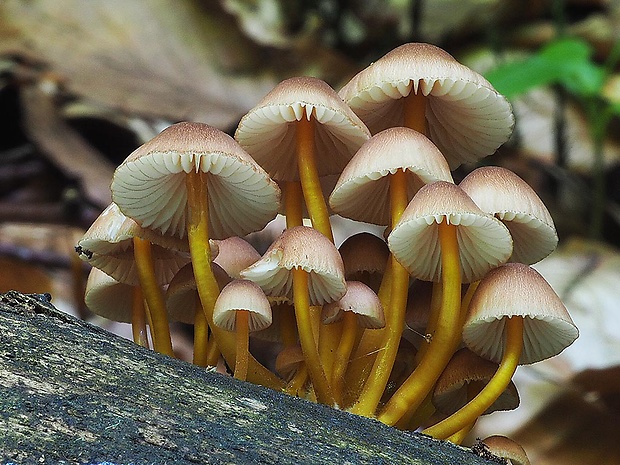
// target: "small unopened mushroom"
[[242, 307], [506, 448]]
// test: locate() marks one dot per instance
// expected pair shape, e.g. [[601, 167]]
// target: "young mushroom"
[[514, 318], [242, 307]]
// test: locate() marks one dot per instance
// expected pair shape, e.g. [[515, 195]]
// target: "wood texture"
[[71, 392]]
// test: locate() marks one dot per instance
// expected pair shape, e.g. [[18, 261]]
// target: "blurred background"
[[83, 83]]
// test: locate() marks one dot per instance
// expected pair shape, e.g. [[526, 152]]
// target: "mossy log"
[[71, 392]]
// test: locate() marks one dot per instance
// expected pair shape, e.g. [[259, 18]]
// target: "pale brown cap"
[[241, 294], [305, 248], [268, 134], [235, 254], [515, 289], [365, 257], [149, 186], [108, 245], [182, 295], [107, 297], [484, 242], [362, 191], [359, 299], [288, 360], [466, 117], [465, 367], [500, 192], [506, 448]]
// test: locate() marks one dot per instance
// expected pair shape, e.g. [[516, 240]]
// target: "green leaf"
[[564, 61]]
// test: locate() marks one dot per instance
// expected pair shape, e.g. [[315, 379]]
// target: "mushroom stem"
[[414, 112], [417, 386], [343, 352], [153, 295], [470, 412], [208, 290], [293, 197], [395, 316], [213, 352], [201, 335], [309, 348], [309, 176], [138, 318], [242, 332]]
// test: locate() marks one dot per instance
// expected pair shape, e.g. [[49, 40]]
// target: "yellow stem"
[[395, 315], [153, 295], [298, 381], [213, 352], [445, 340], [309, 348], [138, 318], [201, 335], [469, 413], [309, 177], [414, 112], [293, 201], [343, 352], [208, 290], [242, 332]]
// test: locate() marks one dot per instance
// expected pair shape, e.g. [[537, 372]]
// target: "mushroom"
[[299, 132], [514, 318], [442, 236], [463, 378], [305, 267], [502, 193], [365, 257], [117, 301], [506, 448], [387, 171], [242, 307], [117, 245], [358, 308], [421, 86], [196, 181]]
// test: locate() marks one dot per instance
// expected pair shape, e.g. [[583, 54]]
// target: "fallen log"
[[71, 392]]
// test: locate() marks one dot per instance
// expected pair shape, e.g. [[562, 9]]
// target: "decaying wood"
[[72, 392]]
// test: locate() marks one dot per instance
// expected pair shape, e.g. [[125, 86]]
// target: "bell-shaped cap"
[[107, 297], [484, 242], [464, 368], [502, 193], [305, 248], [108, 245], [465, 116], [268, 131], [359, 299], [507, 449], [515, 289], [150, 185], [234, 255], [362, 191], [365, 257], [237, 295]]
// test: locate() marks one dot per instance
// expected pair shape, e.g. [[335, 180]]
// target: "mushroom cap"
[[500, 192], [182, 295], [305, 248], [465, 367], [466, 117], [108, 245], [506, 448], [288, 361], [235, 254], [365, 257], [237, 295], [268, 131], [107, 297], [515, 289], [484, 242], [149, 186], [362, 191], [359, 299]]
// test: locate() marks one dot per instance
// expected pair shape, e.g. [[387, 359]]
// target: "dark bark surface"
[[71, 392]]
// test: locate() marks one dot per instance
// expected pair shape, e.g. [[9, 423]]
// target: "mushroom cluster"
[[382, 151]]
